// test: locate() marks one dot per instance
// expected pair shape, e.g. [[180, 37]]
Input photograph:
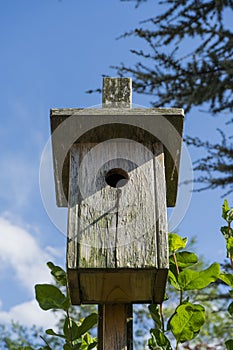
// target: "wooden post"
[[115, 324]]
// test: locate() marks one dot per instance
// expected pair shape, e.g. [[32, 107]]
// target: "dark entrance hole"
[[117, 177]]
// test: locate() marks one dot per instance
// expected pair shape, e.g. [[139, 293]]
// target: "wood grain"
[[115, 325]]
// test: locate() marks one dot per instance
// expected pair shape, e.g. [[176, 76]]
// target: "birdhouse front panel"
[[117, 221]]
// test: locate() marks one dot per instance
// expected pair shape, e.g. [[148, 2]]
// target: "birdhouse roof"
[[72, 125]]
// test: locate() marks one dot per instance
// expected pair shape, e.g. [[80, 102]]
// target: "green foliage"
[[227, 231], [176, 242], [158, 340], [229, 344], [230, 247], [89, 322], [227, 278], [155, 314], [225, 210], [58, 273], [75, 335], [230, 309], [186, 322], [227, 215], [184, 259], [190, 279], [50, 297], [172, 279], [189, 317]]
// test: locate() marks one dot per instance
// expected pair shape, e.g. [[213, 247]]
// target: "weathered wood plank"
[[121, 286], [65, 112], [116, 330], [137, 224], [117, 93], [115, 327]]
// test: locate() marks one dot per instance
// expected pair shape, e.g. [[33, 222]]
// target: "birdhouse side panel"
[[72, 232], [161, 209]]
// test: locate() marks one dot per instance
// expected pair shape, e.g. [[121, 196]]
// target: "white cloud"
[[20, 251], [54, 251], [29, 313]]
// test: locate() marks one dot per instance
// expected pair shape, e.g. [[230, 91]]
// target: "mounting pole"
[[115, 325]]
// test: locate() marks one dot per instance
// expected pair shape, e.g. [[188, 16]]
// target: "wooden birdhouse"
[[116, 169]]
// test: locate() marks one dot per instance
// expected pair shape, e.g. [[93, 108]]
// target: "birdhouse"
[[116, 169]]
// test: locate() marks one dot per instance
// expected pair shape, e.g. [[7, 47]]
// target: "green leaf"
[[51, 332], [184, 259], [67, 347], [172, 279], [229, 344], [58, 273], [88, 342], [50, 297], [78, 331], [176, 242], [230, 309], [77, 345], [227, 278], [70, 326], [159, 340], [154, 311], [88, 322], [92, 345], [226, 231], [227, 212], [185, 324], [225, 209], [190, 279]]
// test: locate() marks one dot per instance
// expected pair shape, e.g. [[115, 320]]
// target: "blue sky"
[[51, 53]]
